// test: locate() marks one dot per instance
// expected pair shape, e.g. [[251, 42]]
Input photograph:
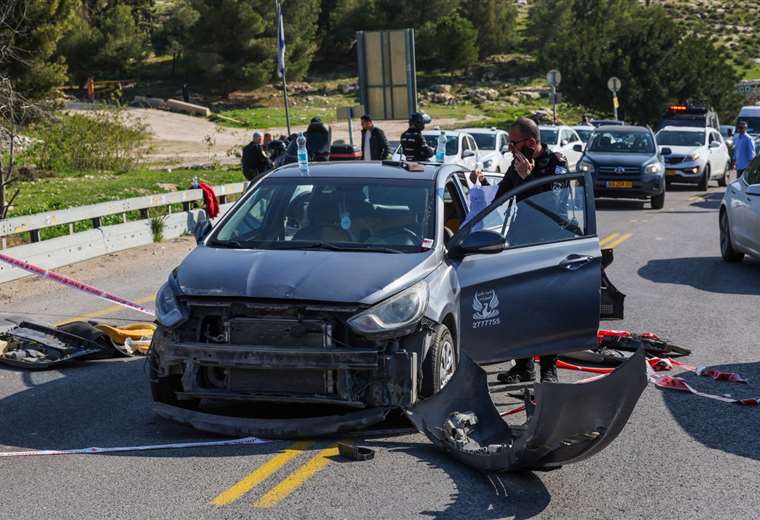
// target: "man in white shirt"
[[374, 144]]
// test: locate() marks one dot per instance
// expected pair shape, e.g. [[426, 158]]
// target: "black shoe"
[[516, 375], [549, 375]]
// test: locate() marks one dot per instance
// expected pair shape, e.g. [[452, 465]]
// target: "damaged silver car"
[[359, 288]]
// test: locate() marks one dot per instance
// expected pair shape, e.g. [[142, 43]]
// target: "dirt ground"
[[180, 139]]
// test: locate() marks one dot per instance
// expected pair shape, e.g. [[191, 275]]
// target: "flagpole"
[[281, 60]]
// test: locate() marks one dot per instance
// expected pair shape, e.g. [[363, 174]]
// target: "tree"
[[495, 23], [174, 30], [449, 43], [30, 32]]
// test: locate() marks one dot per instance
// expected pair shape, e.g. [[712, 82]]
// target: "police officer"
[[413, 144], [531, 160]]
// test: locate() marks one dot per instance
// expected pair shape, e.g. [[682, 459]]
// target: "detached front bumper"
[[569, 423]]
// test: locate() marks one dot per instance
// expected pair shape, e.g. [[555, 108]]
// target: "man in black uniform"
[[531, 161], [255, 161], [413, 144]]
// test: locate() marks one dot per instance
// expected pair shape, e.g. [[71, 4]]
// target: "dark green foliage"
[[495, 23], [29, 37], [448, 44], [591, 40]]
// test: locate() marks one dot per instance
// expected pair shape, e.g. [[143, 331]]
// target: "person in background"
[[318, 140], [744, 148], [374, 144], [413, 144], [255, 161], [267, 141]]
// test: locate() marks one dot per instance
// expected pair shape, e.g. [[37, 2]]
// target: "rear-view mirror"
[[480, 243], [753, 189], [578, 148], [468, 153], [666, 151], [505, 149]]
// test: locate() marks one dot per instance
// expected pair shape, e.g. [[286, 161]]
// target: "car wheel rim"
[[447, 362]]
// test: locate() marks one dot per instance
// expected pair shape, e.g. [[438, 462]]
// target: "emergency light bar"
[[686, 109]]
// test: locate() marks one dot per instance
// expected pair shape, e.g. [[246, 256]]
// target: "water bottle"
[[303, 154], [440, 151]]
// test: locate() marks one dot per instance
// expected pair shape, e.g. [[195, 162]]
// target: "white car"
[[461, 148], [562, 139], [740, 216], [584, 132], [492, 144], [697, 155]]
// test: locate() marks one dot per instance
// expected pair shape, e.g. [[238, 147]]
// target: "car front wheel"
[[704, 182], [723, 181], [658, 201], [727, 250], [440, 362]]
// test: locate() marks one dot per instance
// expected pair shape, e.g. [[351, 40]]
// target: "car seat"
[[322, 213]]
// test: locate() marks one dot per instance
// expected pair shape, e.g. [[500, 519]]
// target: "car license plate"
[[671, 172], [619, 184]]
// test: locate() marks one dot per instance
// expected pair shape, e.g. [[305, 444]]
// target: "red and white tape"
[[173, 446], [74, 284]]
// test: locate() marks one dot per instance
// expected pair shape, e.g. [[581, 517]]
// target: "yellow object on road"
[[135, 337]]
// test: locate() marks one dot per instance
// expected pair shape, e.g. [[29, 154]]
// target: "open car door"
[[529, 267]]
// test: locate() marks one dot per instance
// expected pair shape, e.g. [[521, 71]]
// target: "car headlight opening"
[[653, 168], [694, 156], [169, 311], [586, 167], [397, 312]]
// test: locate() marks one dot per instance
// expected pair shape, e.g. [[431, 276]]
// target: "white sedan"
[[740, 216], [493, 145], [562, 139], [697, 155], [461, 148]]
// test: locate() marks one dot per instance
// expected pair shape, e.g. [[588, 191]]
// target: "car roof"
[[551, 127], [749, 110], [455, 133], [359, 169], [482, 130], [674, 128], [622, 128], [583, 127]]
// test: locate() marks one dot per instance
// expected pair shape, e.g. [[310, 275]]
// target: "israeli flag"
[[280, 43]]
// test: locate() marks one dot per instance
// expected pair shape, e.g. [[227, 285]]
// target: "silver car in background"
[[740, 216]]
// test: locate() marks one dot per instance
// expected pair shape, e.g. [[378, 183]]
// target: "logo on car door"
[[485, 305]]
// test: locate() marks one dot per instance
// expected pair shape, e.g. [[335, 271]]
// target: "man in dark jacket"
[[413, 144], [255, 161], [374, 144], [318, 140], [531, 161]]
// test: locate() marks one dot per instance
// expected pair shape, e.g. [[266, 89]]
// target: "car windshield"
[[452, 143], [584, 134], [548, 135], [384, 215], [485, 141], [676, 138], [621, 142], [753, 124]]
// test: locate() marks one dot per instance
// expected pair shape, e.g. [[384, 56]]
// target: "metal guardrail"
[[103, 239]]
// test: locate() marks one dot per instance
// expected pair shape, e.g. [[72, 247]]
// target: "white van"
[[750, 115]]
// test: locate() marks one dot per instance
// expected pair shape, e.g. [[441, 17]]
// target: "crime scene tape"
[[173, 446], [74, 284]]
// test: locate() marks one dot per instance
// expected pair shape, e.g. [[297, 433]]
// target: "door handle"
[[574, 262]]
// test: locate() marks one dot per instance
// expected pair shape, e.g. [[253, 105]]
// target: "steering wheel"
[[403, 236]]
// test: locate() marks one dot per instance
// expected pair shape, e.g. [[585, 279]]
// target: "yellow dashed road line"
[[107, 310], [261, 473], [618, 240], [608, 238], [296, 479]]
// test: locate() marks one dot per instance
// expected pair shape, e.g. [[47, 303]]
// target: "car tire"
[[723, 181], [658, 201], [440, 362], [704, 182], [164, 389], [727, 250]]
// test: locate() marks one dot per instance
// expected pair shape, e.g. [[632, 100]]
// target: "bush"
[[104, 140]]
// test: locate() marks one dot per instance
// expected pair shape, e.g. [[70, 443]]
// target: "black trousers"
[[528, 365]]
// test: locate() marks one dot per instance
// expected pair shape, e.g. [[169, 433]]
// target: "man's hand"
[[476, 175], [522, 165]]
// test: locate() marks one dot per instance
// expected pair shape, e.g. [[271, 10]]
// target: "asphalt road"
[[680, 456]]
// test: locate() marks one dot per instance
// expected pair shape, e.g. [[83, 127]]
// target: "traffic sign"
[[553, 77], [614, 84]]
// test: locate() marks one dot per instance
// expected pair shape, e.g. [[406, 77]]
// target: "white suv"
[[697, 155]]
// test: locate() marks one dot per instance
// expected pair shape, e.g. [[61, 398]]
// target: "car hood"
[[347, 277], [618, 159], [682, 150]]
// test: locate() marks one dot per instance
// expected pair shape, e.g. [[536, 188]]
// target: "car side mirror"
[[666, 151], [201, 231], [753, 189], [715, 144], [505, 148], [578, 148], [480, 243], [468, 153]]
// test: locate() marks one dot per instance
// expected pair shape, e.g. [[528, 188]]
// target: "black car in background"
[[625, 163]]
